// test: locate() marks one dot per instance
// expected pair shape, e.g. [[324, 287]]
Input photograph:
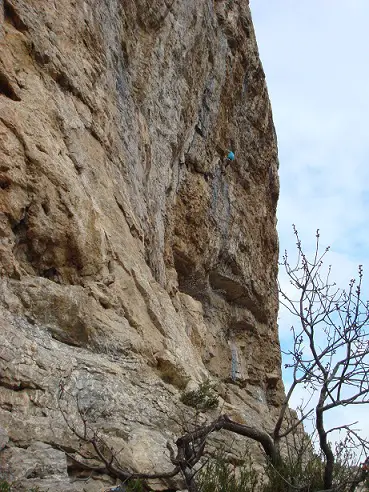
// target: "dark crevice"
[[33, 474], [67, 86], [6, 88], [40, 58], [19, 228], [45, 208], [63, 82], [190, 280], [77, 165], [96, 136], [22, 244], [8, 407], [74, 254], [51, 274], [124, 53], [65, 338], [21, 386], [77, 471], [13, 18], [105, 303], [5, 182]]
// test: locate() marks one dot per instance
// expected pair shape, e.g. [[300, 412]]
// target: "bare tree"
[[99, 457], [330, 352], [329, 357]]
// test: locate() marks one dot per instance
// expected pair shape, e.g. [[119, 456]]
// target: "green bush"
[[288, 476], [135, 486], [7, 487], [296, 473], [204, 398], [219, 475], [4, 486]]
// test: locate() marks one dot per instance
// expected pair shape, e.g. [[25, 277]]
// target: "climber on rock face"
[[230, 157]]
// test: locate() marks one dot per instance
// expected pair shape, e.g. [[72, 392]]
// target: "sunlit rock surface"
[[134, 262]]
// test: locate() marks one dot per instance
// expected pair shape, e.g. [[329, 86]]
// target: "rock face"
[[134, 262]]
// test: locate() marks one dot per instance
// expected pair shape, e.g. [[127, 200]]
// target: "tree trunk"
[[325, 447]]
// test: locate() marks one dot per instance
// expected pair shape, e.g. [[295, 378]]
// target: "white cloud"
[[317, 68]]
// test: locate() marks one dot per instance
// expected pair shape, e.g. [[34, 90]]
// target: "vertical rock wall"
[[134, 264]]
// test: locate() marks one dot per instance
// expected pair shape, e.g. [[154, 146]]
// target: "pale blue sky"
[[315, 55]]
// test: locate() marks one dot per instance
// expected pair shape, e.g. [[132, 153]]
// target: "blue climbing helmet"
[[230, 156]]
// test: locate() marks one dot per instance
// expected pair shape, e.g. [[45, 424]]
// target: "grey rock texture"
[[134, 263]]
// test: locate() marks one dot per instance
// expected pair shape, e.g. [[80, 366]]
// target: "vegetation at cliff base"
[[328, 358]]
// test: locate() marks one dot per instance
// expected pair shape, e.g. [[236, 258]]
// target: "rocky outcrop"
[[134, 263]]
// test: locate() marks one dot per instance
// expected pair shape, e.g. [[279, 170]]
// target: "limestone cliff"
[[134, 263]]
